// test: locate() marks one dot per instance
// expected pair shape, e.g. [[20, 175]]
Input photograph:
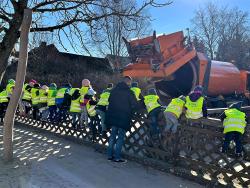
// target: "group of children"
[[49, 103], [194, 107], [52, 104]]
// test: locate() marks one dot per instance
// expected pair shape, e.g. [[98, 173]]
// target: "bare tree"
[[224, 32], [205, 27], [65, 18], [199, 44], [234, 39], [107, 33]]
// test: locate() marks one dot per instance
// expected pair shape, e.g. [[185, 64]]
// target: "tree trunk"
[[20, 77], [11, 36], [5, 51]]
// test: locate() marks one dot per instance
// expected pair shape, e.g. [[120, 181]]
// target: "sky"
[[177, 16]]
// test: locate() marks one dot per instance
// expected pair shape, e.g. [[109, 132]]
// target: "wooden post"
[[20, 78]]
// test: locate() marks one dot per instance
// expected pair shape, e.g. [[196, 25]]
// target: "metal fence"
[[194, 150]]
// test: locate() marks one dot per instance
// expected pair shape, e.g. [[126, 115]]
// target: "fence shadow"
[[31, 146]]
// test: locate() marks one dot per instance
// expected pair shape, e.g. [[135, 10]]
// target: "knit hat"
[[52, 85], [37, 85], [198, 89], [110, 85], [134, 84], [44, 87], [152, 91], [182, 97], [85, 82], [67, 85], [11, 81], [33, 81]]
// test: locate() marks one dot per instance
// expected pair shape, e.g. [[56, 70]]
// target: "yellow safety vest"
[[151, 102], [136, 91], [72, 90], [9, 88], [84, 90], [43, 96], [176, 107], [4, 97], [75, 105], [234, 121], [60, 93], [194, 109], [104, 99], [51, 97], [34, 97], [26, 94], [91, 110]]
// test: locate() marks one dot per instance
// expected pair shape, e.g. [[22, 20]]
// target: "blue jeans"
[[236, 137], [75, 118], [171, 122], [52, 112], [61, 114], [102, 116], [44, 113], [92, 125], [115, 144], [153, 116]]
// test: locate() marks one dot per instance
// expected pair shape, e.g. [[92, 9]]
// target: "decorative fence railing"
[[195, 148]]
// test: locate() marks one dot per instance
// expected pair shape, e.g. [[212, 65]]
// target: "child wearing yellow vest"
[[25, 103], [195, 106], [173, 113], [234, 123], [35, 99], [153, 107], [5, 97], [86, 86], [102, 106], [91, 110]]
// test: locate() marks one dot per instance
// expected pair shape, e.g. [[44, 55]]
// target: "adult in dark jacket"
[[122, 103]]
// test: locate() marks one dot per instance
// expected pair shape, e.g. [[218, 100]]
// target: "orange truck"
[[176, 67]]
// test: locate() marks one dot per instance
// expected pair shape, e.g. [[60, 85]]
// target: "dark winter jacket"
[[122, 104], [194, 97], [76, 94]]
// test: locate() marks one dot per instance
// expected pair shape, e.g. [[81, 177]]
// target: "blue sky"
[[177, 16]]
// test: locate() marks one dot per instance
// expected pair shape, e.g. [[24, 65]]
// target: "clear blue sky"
[[177, 16]]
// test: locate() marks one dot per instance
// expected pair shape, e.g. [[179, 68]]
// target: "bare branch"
[[42, 10], [5, 18], [59, 26]]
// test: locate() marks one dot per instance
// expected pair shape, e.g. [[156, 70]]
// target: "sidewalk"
[[45, 161]]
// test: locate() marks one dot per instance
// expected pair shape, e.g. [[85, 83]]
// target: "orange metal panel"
[[244, 75], [170, 69], [171, 44], [225, 78], [143, 41], [202, 68], [142, 70]]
